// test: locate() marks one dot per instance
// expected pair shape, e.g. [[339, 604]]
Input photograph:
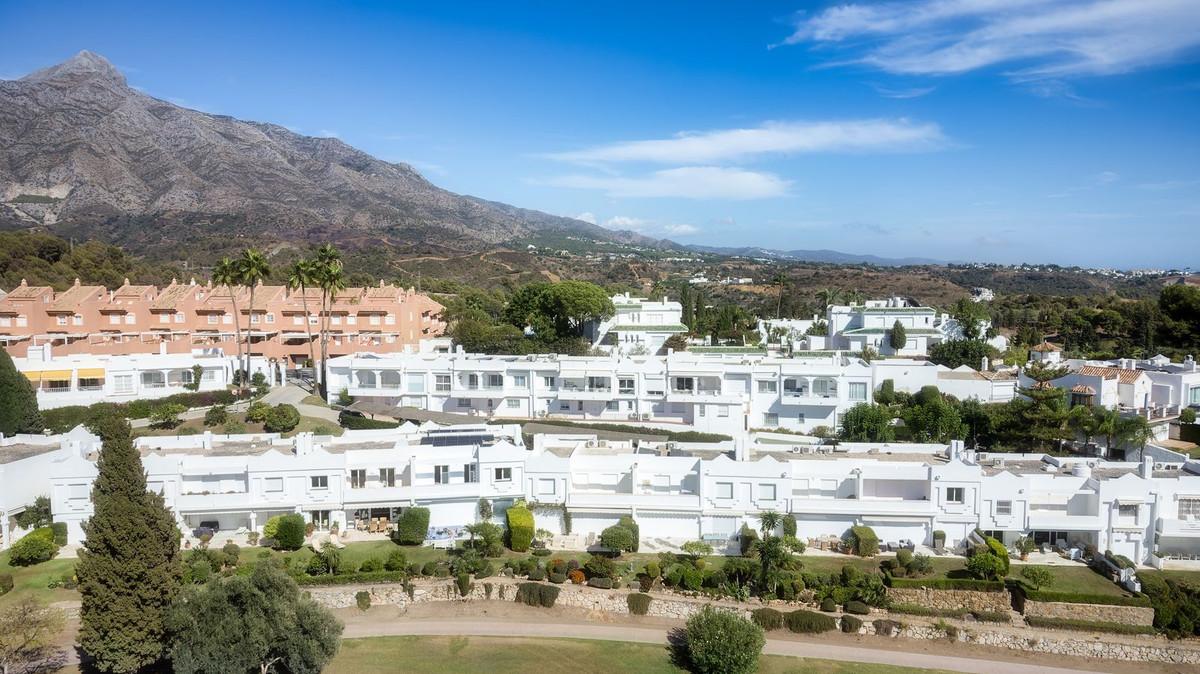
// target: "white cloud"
[[626, 222], [681, 230], [687, 182], [769, 138], [648, 227], [911, 92], [1107, 177], [587, 216], [1041, 39]]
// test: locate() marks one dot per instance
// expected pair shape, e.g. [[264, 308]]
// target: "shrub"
[[463, 583], [60, 533], [34, 547], [617, 538], [430, 569], [629, 523], [411, 527], [602, 583], [290, 532], [850, 624], [363, 599], [920, 565], [857, 608], [6, 583], [939, 538], [576, 576], [948, 584], [992, 616], [789, 525], [808, 622], [767, 618], [598, 566], [557, 577], [639, 604], [886, 628], [542, 552], [652, 570], [1037, 576], [520, 528], [1088, 625], [371, 565], [904, 557], [828, 605], [719, 642], [395, 561], [986, 566], [485, 569], [415, 569], [1085, 598], [231, 554], [537, 594], [863, 541], [537, 573], [281, 419], [1187, 416], [216, 416], [258, 412], [746, 539], [997, 549], [917, 609]]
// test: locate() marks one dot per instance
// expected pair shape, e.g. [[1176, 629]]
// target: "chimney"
[[207, 440], [1147, 467], [955, 449], [1189, 363], [983, 366], [304, 444]]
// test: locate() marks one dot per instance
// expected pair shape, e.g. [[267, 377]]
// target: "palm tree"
[[854, 296], [1106, 425], [226, 273], [768, 522], [828, 297], [330, 279], [300, 276], [253, 269], [781, 281]]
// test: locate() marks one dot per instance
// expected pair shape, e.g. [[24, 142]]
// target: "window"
[[1189, 509], [358, 478], [495, 381], [79, 492], [1004, 507], [625, 386], [520, 381], [768, 386], [130, 319], [415, 382], [78, 320], [441, 383], [273, 484], [60, 320], [470, 472], [212, 319], [387, 476], [766, 492], [123, 383], [1127, 510], [548, 382], [770, 419], [178, 317], [722, 410], [800, 417], [270, 318], [1194, 395], [351, 319], [319, 481], [612, 406], [954, 494], [546, 486], [513, 403], [564, 406], [725, 490], [441, 474], [700, 409], [503, 475], [858, 390], [464, 402]]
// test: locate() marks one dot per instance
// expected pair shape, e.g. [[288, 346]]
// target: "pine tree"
[[18, 401], [129, 568], [1046, 416]]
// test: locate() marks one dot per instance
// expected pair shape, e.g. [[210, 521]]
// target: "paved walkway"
[[292, 395], [646, 635]]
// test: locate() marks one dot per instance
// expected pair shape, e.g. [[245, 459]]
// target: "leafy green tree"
[[37, 515], [1037, 576], [958, 352], [525, 308], [932, 418], [129, 566], [571, 305], [19, 410], [719, 642], [867, 422], [167, 415], [1187, 416], [970, 317], [898, 337], [696, 549], [261, 623]]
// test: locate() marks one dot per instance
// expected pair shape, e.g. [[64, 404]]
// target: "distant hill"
[[84, 154], [828, 256]]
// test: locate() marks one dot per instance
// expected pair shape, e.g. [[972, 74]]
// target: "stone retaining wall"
[[1124, 615], [951, 600]]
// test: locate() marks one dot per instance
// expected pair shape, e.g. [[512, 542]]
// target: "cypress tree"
[[18, 401], [899, 336], [129, 568]]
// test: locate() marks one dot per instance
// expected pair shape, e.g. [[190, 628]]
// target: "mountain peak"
[[82, 66]]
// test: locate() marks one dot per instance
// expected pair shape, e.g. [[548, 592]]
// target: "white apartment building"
[[911, 375], [639, 326], [84, 379], [711, 392], [857, 326], [676, 492], [1155, 388]]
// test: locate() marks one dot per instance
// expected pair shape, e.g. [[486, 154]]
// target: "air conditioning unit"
[[591, 443], [542, 413], [645, 417], [633, 415]]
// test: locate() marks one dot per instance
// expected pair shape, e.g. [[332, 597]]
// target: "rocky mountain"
[[84, 154], [823, 255]]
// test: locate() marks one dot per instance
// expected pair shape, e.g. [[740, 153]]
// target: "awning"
[[91, 372], [48, 375]]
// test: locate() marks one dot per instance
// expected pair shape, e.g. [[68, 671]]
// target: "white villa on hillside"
[[1154, 388], [856, 326], [639, 326]]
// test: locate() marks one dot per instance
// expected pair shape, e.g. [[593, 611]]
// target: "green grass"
[[489, 655], [1076, 579], [32, 580], [196, 427], [314, 400]]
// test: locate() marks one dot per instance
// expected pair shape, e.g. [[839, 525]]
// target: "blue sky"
[[993, 130]]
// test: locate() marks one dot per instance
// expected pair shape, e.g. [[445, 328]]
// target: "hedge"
[[602, 583], [917, 609], [850, 624], [639, 604], [1080, 598], [997, 548], [63, 419], [520, 528], [6, 583], [863, 541], [412, 526], [992, 616], [557, 577], [60, 533], [363, 599], [857, 608], [537, 594], [828, 605], [789, 525], [673, 436], [631, 524], [809, 622], [34, 547], [767, 618], [356, 423], [1088, 625], [290, 532], [946, 583]]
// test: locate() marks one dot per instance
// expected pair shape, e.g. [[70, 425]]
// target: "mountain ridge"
[[819, 255]]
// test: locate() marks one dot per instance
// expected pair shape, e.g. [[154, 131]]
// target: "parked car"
[[210, 527]]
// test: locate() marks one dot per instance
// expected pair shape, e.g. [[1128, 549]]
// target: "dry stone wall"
[[951, 600], [1124, 615]]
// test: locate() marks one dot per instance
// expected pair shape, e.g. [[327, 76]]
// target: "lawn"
[[32, 580], [1076, 579], [196, 427], [489, 655]]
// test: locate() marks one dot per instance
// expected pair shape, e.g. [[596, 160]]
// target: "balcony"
[[1179, 528], [467, 391], [863, 507], [689, 502], [212, 502], [1058, 520], [574, 392], [809, 397]]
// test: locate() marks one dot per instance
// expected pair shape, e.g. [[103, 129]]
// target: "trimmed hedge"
[[362, 598], [789, 525], [357, 423], [6, 583], [998, 550], [1079, 598], [602, 583], [60, 533], [558, 578], [63, 419], [520, 528], [34, 547], [947, 583], [863, 541], [639, 604], [767, 618], [857, 608], [631, 524], [411, 527], [850, 624], [673, 436], [828, 605], [917, 609], [290, 532], [808, 622], [354, 578], [1088, 625], [537, 594], [992, 616]]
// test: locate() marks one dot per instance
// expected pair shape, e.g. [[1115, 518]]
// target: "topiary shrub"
[[652, 570], [281, 419], [542, 552], [997, 549], [808, 622], [863, 541], [411, 527], [747, 537], [537, 573], [395, 561], [429, 569], [463, 583], [415, 569], [904, 557], [939, 538], [719, 642], [631, 524], [767, 618], [617, 538], [60, 533], [576, 576], [850, 624], [362, 599], [886, 628], [371, 565], [828, 605], [290, 532], [520, 528], [602, 583], [34, 547], [537, 594], [639, 604], [557, 577], [857, 608]]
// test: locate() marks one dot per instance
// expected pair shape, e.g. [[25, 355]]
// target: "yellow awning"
[[91, 373], [48, 375]]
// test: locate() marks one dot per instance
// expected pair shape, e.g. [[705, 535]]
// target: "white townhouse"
[[965, 383], [639, 325], [857, 326], [84, 379], [27, 464], [726, 393], [1155, 388]]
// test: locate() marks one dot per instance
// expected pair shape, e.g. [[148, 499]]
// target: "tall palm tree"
[[330, 279], [226, 273], [781, 281], [253, 269], [301, 276], [828, 297]]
